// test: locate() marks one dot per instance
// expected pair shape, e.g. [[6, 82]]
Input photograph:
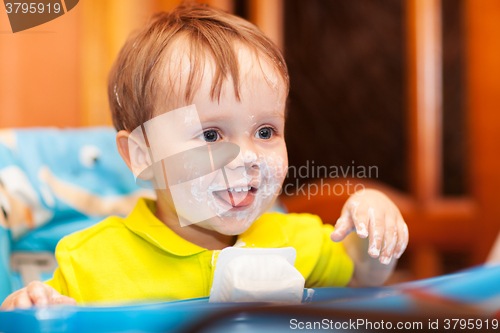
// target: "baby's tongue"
[[233, 198]]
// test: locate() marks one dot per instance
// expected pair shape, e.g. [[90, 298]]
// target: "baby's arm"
[[382, 232], [36, 293]]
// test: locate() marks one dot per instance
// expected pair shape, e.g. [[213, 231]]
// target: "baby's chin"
[[229, 226]]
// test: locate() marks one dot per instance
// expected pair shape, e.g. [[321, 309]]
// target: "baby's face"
[[256, 124]]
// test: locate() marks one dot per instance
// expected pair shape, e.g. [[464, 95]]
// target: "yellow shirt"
[[139, 258]]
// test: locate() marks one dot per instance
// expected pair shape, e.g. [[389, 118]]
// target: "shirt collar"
[[145, 224], [266, 232]]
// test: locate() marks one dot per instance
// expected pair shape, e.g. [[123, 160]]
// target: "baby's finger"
[[343, 227], [22, 301], [61, 299], [38, 294], [390, 238], [377, 229], [403, 236], [359, 216]]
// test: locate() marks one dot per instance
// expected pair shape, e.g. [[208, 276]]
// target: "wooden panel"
[[105, 28], [483, 52], [347, 105], [94, 65], [426, 262], [268, 16], [166, 5], [225, 5], [39, 81], [424, 95], [455, 169]]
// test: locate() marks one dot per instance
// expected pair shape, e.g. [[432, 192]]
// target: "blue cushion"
[[36, 166]]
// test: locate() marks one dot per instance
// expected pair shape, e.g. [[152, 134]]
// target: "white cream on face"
[[270, 175], [267, 175]]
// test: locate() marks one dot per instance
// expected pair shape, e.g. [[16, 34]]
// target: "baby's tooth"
[[240, 189]]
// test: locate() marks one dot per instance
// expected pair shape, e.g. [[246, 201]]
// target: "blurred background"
[[409, 86]]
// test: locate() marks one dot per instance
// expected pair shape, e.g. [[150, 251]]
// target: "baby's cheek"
[[280, 170], [273, 169]]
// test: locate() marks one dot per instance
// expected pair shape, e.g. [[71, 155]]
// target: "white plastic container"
[[257, 275]]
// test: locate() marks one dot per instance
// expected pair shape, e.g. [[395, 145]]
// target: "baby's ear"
[[134, 151]]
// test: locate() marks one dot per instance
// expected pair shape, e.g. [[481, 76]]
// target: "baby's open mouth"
[[237, 197]]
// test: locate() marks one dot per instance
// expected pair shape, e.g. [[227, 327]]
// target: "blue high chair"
[[47, 177]]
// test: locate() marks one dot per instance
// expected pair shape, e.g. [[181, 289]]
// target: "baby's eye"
[[211, 136], [264, 133]]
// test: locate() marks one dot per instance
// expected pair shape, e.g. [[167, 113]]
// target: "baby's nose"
[[246, 158]]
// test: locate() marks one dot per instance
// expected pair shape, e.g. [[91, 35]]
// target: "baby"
[[201, 80]]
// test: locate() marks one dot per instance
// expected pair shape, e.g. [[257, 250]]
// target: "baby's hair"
[[134, 80]]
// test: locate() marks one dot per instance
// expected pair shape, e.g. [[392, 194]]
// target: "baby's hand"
[[36, 293], [373, 214]]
